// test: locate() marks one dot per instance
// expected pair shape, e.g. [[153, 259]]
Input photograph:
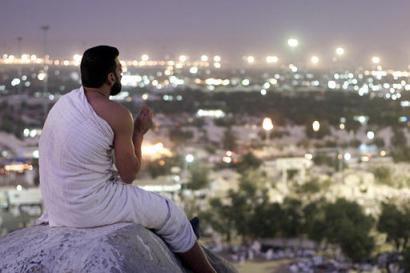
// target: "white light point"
[[189, 158], [272, 59], [340, 51], [370, 135], [309, 156], [316, 126], [347, 156], [293, 43], [77, 58], [204, 58], [144, 57], [375, 60], [250, 59], [267, 124], [193, 70], [182, 58], [314, 60]]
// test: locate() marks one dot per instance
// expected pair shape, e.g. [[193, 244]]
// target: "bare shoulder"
[[116, 115]]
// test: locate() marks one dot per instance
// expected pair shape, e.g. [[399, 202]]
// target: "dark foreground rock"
[[119, 248]]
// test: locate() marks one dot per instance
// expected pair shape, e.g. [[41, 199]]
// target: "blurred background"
[[283, 125]]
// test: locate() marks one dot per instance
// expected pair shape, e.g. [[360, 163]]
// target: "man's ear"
[[111, 78]]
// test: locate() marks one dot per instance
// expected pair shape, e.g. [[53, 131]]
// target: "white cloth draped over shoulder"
[[80, 186]]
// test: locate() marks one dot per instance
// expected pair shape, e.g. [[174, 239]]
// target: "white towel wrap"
[[80, 187]]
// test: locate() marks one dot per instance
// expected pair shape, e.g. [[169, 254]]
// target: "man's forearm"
[[137, 140]]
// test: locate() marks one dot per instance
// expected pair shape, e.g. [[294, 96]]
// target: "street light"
[[182, 58], [267, 125], [250, 59], [376, 60], [293, 42], [272, 59], [19, 39], [217, 58], [204, 58], [189, 158], [144, 57], [316, 126], [340, 51], [314, 60], [45, 29]]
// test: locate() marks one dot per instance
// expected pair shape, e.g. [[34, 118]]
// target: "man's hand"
[[143, 122]]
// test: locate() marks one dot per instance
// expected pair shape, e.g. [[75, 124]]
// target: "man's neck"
[[101, 91]]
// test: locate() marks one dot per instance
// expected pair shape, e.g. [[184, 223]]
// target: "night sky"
[[230, 28]]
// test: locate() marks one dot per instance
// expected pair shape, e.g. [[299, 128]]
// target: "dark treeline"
[[296, 107]]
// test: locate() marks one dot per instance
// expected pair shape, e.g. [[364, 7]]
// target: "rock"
[[119, 248]]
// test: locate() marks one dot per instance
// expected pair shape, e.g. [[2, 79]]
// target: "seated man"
[[79, 186]]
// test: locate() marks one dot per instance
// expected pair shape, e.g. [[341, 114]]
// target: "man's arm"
[[128, 139], [127, 155]]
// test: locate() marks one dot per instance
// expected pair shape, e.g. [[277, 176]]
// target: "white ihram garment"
[[79, 186]]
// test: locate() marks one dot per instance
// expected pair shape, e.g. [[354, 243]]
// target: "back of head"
[[96, 64]]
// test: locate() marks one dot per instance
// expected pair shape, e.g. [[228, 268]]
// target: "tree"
[[179, 136], [379, 142], [291, 223], [248, 210], [348, 227], [220, 218], [324, 159], [163, 166], [229, 140], [400, 151], [314, 224], [395, 222], [406, 260], [247, 162], [383, 175], [199, 177]]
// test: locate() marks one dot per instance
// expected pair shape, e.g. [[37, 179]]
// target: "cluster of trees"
[[299, 108], [400, 148], [249, 214]]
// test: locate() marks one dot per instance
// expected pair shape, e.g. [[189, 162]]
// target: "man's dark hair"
[[96, 64]]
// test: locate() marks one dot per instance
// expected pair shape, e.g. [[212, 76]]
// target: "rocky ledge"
[[119, 248]]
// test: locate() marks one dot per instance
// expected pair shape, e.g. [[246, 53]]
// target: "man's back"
[[75, 158]]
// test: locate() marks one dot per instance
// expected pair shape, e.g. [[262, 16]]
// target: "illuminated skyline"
[[228, 28]]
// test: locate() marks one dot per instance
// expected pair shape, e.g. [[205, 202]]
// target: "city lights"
[[340, 51], [376, 60], [250, 59], [204, 58], [261, 112], [314, 60], [316, 126], [144, 57], [370, 135], [183, 58], [189, 158], [267, 124], [293, 42], [272, 59]]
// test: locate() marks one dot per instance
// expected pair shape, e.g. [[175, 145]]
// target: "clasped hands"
[[143, 122]]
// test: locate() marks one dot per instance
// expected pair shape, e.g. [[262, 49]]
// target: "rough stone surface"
[[119, 248]]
